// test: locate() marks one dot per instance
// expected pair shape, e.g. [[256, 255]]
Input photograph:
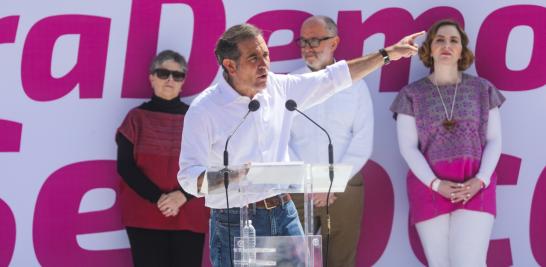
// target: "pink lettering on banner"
[[11, 136], [8, 29], [499, 253], [7, 234], [394, 23], [10, 142], [57, 221], [537, 231], [492, 44], [209, 24], [272, 21], [378, 214], [508, 170], [88, 72]]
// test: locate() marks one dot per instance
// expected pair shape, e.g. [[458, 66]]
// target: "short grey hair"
[[166, 55], [226, 46], [331, 25]]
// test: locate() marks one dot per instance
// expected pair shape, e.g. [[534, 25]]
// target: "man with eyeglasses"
[[263, 136], [348, 118]]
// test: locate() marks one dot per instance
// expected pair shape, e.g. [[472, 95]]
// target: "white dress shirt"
[[263, 137], [348, 118]]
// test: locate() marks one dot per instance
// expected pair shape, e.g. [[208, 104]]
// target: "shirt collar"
[[230, 95]]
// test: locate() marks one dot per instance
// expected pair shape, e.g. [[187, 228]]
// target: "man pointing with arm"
[[263, 137]]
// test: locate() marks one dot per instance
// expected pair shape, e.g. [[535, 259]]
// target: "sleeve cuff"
[[435, 185], [186, 194], [188, 180], [484, 181]]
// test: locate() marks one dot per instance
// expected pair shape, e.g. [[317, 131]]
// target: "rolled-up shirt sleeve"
[[194, 150]]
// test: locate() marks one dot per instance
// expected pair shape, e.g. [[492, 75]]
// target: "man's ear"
[[230, 65], [335, 42]]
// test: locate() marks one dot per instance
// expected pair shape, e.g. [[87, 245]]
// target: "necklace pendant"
[[449, 124]]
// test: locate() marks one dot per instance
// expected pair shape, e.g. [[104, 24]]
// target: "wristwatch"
[[386, 58]]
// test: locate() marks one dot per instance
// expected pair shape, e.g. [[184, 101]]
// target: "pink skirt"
[[426, 204]]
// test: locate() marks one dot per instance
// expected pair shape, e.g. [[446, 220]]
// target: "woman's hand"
[[469, 189], [450, 189], [169, 204]]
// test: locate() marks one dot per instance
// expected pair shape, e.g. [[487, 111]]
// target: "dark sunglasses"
[[312, 42], [164, 74]]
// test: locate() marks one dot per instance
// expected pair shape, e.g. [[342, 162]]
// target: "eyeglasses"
[[164, 74], [312, 42]]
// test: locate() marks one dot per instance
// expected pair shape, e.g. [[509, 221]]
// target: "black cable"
[[331, 175], [252, 106], [328, 217], [291, 105], [226, 184]]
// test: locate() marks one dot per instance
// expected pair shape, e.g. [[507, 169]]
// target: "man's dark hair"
[[226, 47]]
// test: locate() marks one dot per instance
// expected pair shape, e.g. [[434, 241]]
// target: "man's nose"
[[307, 48], [262, 62]]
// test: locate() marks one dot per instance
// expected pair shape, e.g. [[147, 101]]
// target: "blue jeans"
[[280, 221]]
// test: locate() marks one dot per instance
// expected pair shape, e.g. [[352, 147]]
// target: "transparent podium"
[[246, 181]]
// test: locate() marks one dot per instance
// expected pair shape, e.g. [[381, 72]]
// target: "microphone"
[[252, 106], [292, 106]]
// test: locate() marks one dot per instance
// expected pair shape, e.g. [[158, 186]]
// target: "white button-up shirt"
[[348, 118], [263, 137]]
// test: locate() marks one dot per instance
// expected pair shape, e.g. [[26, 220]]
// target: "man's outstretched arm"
[[362, 66]]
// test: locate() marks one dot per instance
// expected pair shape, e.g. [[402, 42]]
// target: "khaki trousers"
[[345, 218]]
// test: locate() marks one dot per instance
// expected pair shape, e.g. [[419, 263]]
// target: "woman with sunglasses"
[[165, 225], [449, 133]]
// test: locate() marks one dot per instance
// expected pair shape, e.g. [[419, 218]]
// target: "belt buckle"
[[267, 207]]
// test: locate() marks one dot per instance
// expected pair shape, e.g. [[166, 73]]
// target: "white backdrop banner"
[[72, 69]]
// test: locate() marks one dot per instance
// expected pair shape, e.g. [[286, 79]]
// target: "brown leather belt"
[[273, 202]]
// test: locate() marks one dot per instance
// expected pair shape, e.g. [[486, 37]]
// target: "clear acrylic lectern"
[[272, 179]]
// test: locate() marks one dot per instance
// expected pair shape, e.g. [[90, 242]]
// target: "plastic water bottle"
[[244, 251], [252, 244], [249, 244]]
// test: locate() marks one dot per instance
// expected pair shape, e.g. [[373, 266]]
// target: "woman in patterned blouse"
[[449, 134]]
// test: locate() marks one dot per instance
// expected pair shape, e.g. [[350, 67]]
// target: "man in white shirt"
[[263, 136], [348, 118]]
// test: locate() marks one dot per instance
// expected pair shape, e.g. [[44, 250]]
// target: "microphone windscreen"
[[291, 105], [253, 105]]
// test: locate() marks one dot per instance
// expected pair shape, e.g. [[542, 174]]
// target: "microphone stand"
[[291, 106], [252, 106]]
